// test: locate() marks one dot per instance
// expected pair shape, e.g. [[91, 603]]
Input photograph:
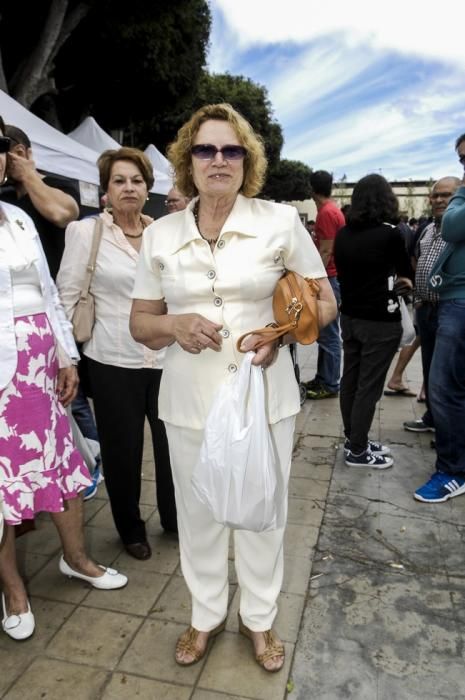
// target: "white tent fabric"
[[162, 169], [53, 151], [60, 154], [90, 134]]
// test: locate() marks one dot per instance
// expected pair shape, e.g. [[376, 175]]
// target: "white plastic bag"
[[235, 476], [408, 329], [89, 449]]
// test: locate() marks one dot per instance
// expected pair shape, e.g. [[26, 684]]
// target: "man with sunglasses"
[[447, 374], [427, 251], [50, 202]]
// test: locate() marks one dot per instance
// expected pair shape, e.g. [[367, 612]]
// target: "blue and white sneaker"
[[91, 490], [440, 488], [369, 459], [375, 447]]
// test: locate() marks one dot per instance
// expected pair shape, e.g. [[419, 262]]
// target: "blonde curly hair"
[[179, 152]]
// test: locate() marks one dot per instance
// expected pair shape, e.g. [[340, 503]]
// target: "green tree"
[[136, 59], [31, 36], [116, 60], [288, 180]]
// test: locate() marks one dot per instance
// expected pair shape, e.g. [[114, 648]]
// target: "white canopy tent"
[[161, 167], [90, 133], [53, 151], [76, 158]]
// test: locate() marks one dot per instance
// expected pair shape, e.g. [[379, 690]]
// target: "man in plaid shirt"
[[428, 249]]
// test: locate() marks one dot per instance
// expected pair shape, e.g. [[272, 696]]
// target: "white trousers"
[[204, 543]]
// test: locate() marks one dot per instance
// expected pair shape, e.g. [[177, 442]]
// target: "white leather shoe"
[[109, 580], [20, 626]]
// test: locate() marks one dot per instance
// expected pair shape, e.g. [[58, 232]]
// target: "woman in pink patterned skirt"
[[40, 468]]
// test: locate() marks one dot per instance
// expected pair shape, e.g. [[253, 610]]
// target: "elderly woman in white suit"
[[206, 275], [40, 468]]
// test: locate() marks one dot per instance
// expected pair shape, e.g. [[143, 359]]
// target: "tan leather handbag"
[[295, 308], [84, 313]]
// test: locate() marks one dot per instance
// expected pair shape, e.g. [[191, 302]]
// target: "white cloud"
[[382, 137], [343, 86], [406, 27], [313, 76]]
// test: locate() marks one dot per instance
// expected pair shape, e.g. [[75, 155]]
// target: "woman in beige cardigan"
[[124, 375]]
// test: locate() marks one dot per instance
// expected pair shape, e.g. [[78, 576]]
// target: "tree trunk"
[[34, 76], [3, 83]]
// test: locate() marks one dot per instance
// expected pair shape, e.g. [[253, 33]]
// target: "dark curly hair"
[[373, 202]]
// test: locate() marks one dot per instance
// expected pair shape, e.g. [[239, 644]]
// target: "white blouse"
[[112, 284], [233, 286], [27, 294]]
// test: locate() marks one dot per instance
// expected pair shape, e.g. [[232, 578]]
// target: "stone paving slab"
[[372, 605], [383, 614]]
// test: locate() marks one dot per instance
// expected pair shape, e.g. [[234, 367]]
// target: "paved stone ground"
[[371, 606], [384, 619]]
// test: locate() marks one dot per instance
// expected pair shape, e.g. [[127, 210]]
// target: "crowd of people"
[[379, 259], [172, 297]]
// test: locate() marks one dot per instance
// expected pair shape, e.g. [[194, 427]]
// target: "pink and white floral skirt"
[[40, 467]]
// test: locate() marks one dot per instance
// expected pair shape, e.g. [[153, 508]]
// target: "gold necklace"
[[129, 235], [137, 235], [195, 212]]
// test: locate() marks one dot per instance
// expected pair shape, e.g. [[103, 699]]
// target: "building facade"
[[413, 198]]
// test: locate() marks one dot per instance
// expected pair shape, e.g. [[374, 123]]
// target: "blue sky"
[[354, 92]]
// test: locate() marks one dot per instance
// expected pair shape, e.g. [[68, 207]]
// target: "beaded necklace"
[[195, 212]]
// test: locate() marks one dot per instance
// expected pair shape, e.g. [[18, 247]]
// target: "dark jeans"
[[123, 398], [426, 317], [329, 348], [369, 347], [447, 387], [83, 415]]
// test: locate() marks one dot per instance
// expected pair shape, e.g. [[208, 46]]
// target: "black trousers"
[[368, 348], [123, 398]]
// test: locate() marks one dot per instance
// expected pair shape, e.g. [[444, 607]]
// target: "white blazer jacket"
[[22, 225], [232, 286]]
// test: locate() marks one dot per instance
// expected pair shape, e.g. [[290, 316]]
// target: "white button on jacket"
[[258, 241]]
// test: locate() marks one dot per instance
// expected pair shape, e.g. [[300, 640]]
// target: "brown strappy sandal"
[[273, 648], [187, 640]]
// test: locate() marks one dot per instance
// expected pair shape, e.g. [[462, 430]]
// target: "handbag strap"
[[268, 333], [296, 302], [97, 235]]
